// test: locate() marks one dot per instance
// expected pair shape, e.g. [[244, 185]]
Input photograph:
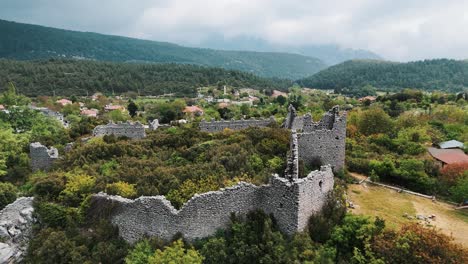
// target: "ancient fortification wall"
[[215, 126], [291, 203], [42, 158], [290, 199], [320, 142], [131, 130]]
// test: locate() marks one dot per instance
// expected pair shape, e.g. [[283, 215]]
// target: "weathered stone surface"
[[215, 126], [16, 221], [131, 130], [322, 141], [291, 202], [153, 125], [42, 158]]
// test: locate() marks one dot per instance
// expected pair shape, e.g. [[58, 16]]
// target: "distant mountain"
[[439, 74], [81, 77], [330, 54], [26, 42]]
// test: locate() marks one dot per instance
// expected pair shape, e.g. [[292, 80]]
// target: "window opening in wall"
[[320, 185]]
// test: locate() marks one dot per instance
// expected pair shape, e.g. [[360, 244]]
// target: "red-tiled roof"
[[89, 112], [277, 93], [449, 156], [192, 109], [64, 101]]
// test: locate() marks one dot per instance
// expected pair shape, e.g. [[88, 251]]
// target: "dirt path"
[[447, 219], [388, 204]]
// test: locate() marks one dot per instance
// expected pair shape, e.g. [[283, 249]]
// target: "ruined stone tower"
[[323, 142]]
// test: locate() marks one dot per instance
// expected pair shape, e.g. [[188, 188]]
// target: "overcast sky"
[[395, 29]]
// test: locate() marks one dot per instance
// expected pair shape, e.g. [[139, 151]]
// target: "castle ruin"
[[290, 199], [215, 126], [128, 129], [321, 142], [42, 158]]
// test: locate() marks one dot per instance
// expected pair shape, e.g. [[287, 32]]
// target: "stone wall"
[[131, 130], [291, 203], [16, 221], [215, 126], [42, 158], [320, 142]]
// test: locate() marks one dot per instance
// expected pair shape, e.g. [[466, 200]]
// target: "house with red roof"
[[89, 112], [448, 156], [64, 102], [111, 107], [2, 107], [193, 110]]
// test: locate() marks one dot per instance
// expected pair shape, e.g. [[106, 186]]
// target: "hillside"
[[26, 42], [68, 77], [440, 74]]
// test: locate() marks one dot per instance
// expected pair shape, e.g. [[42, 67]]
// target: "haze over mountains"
[[330, 54]]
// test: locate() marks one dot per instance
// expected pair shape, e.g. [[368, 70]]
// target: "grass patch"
[[378, 202]]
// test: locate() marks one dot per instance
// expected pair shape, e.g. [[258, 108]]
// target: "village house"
[[277, 93], [111, 107], [367, 98], [448, 156], [64, 102], [89, 112], [193, 111], [2, 107]]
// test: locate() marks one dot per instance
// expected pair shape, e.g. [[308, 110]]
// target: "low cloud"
[[397, 30]]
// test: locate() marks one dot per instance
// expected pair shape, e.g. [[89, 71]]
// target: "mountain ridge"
[[26, 42], [435, 74]]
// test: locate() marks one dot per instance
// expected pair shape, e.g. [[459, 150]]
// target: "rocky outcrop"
[[16, 221], [42, 158]]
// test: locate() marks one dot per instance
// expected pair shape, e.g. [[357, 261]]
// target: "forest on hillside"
[[29, 42], [81, 77], [440, 74]]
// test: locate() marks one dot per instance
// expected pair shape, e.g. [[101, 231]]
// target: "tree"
[[176, 254], [459, 192], [414, 243], [140, 254], [281, 100], [7, 194], [374, 121], [132, 108]]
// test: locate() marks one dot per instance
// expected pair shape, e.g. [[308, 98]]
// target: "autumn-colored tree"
[[450, 173], [416, 244]]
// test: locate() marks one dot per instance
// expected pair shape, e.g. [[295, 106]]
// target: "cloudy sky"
[[395, 29]]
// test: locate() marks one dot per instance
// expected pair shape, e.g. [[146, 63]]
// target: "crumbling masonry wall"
[[42, 158], [320, 142], [291, 203], [215, 126], [131, 130]]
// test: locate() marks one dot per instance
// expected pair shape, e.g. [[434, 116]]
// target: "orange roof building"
[[89, 112], [448, 156], [112, 107], [277, 93], [193, 110], [64, 102]]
